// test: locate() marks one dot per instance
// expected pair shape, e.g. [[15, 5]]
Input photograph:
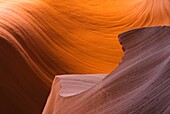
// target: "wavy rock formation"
[[140, 84], [43, 38]]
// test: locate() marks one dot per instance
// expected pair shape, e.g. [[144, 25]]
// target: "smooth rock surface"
[[139, 85], [40, 39]]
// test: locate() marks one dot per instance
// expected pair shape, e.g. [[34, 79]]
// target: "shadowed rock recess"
[[139, 85]]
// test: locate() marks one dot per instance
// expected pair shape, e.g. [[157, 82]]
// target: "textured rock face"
[[140, 84], [43, 38]]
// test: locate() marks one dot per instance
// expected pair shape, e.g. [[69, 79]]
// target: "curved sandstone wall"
[[43, 38], [140, 84]]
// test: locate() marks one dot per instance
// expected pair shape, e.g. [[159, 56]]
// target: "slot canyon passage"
[[71, 57]]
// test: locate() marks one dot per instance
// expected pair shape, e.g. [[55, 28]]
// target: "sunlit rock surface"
[[43, 38], [140, 84]]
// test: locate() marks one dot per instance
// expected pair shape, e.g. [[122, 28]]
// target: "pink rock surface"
[[139, 85]]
